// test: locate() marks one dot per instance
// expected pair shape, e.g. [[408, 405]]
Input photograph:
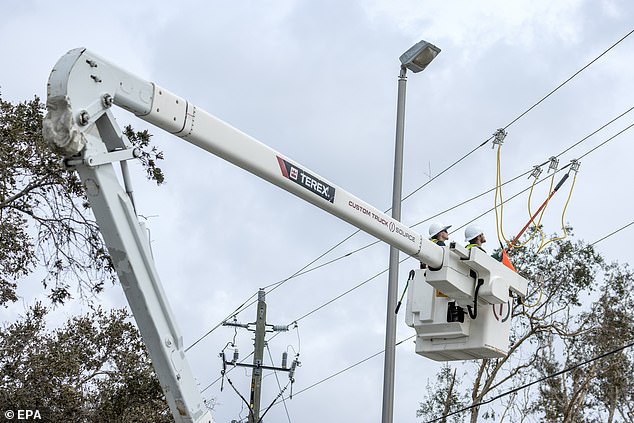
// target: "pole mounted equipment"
[[554, 164], [498, 137], [537, 170]]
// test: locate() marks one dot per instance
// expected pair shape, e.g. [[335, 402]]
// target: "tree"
[[95, 368], [444, 397], [45, 219], [597, 392], [554, 329]]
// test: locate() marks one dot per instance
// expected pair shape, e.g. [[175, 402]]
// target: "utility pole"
[[258, 355], [260, 327]]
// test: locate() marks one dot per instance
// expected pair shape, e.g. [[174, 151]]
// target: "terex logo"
[[306, 180], [294, 173]]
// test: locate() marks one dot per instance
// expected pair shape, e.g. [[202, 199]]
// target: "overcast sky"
[[316, 80]]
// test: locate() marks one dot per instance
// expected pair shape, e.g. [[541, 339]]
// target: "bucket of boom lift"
[[454, 320]]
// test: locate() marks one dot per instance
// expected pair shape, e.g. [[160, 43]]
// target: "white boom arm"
[[81, 89]]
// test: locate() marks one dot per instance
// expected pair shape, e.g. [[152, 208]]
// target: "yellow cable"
[[495, 199], [498, 192], [539, 299], [541, 290], [563, 226], [539, 221]]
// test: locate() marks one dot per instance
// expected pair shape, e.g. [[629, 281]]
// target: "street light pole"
[[416, 59], [392, 290]]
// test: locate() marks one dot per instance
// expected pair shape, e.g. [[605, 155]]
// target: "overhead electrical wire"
[[219, 324], [404, 340], [519, 388], [305, 268], [521, 115], [613, 233], [242, 307], [559, 170], [350, 367], [569, 79], [474, 197], [456, 162], [279, 385], [472, 220], [563, 213]]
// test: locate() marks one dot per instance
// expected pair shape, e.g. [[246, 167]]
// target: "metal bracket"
[[574, 165], [499, 136], [537, 170], [100, 159], [554, 163]]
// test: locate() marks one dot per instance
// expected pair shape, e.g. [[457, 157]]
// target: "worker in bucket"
[[474, 236], [438, 233]]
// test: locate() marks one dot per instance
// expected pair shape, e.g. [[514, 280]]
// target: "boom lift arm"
[[79, 124]]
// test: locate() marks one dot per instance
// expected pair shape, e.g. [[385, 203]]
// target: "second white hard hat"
[[471, 232], [436, 228]]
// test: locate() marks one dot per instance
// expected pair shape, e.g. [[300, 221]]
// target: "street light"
[[419, 56], [415, 59]]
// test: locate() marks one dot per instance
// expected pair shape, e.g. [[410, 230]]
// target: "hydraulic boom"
[[80, 125]]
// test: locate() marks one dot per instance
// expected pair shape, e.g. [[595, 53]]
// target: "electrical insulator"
[[554, 163], [236, 354], [280, 328], [284, 359], [537, 170], [574, 165], [291, 373]]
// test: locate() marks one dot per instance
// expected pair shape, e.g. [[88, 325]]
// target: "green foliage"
[[95, 368], [149, 154], [444, 397], [44, 216]]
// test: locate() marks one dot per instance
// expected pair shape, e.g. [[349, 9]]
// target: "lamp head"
[[419, 56]]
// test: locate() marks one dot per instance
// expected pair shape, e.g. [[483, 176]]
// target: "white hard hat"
[[471, 232], [437, 227]]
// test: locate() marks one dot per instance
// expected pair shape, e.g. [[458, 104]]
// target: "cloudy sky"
[[316, 80]]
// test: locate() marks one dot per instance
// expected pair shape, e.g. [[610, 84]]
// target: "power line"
[[487, 191], [305, 269], [465, 224], [482, 402], [406, 339], [344, 293], [609, 235], [479, 146], [474, 197], [596, 131], [278, 284], [521, 114], [519, 388], [220, 324], [279, 385], [569, 79], [350, 367], [606, 141]]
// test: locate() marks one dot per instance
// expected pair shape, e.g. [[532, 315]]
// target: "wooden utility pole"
[[261, 328], [258, 356]]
